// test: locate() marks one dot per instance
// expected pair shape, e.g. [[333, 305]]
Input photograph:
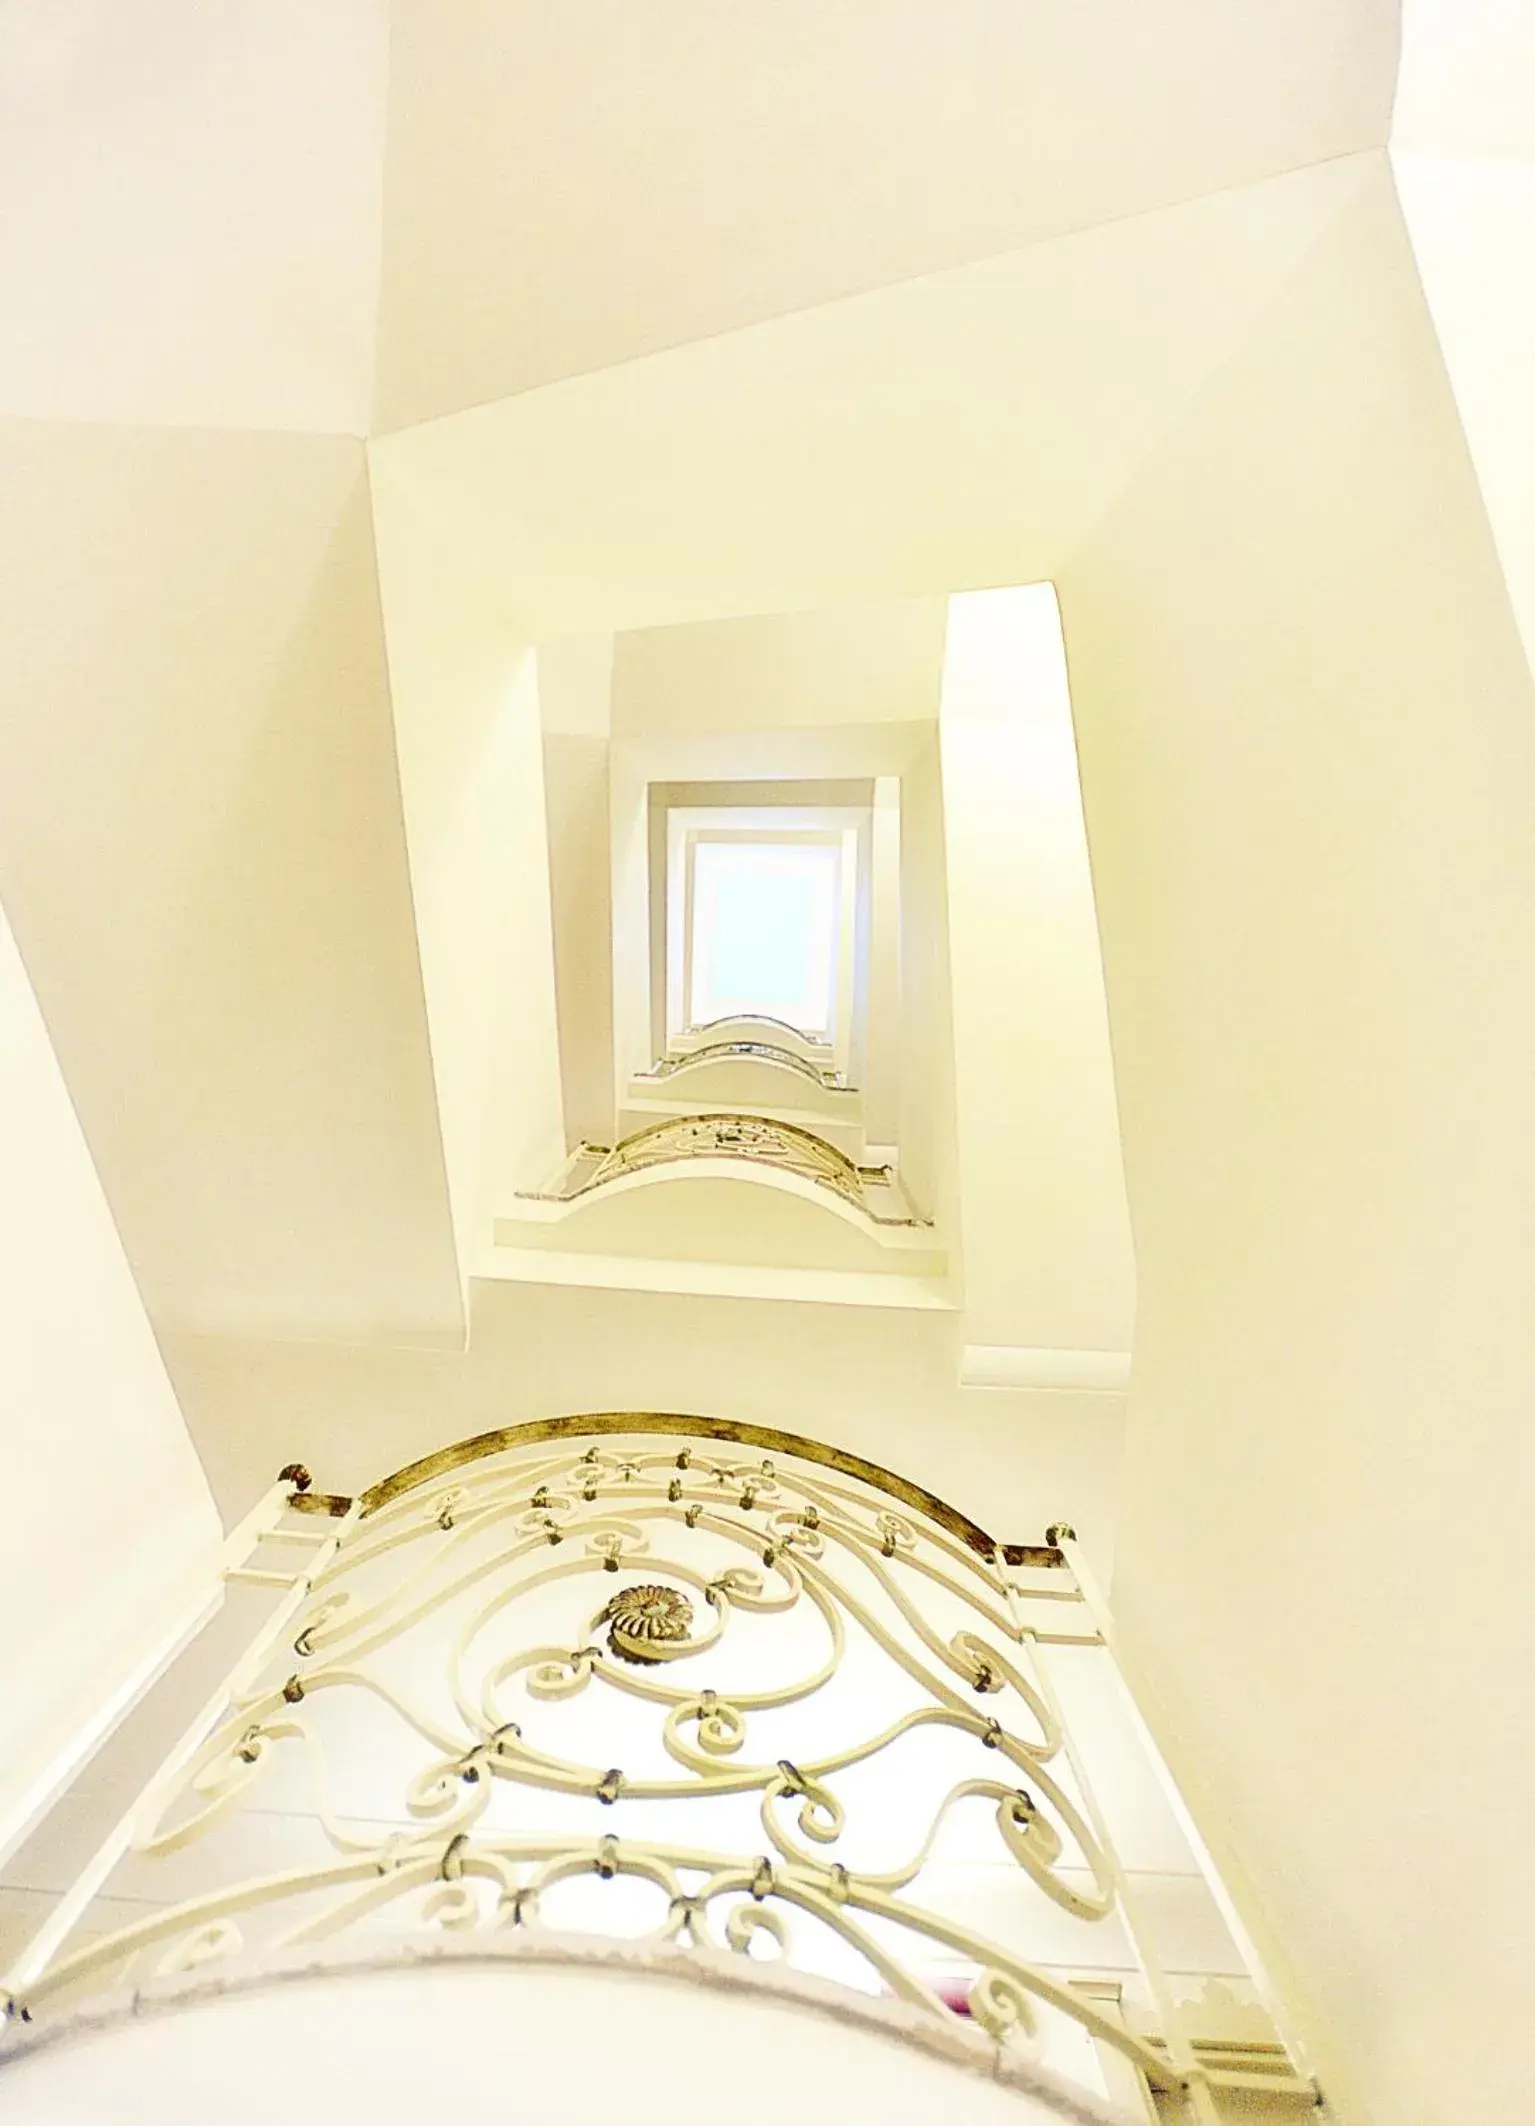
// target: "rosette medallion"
[[648, 1624]]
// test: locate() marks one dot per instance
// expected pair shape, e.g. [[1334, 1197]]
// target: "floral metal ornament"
[[755, 1139], [794, 1570], [648, 1624]]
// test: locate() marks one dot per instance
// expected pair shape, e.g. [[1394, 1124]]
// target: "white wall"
[[203, 858], [882, 1064], [962, 429], [849, 664], [1048, 1264], [716, 162], [1308, 745], [927, 1128], [1463, 152], [574, 692], [193, 203], [469, 738], [110, 1525]]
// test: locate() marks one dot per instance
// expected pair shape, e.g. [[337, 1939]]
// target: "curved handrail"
[[806, 1157], [818, 1150], [760, 1051], [756, 1018], [769, 1438]]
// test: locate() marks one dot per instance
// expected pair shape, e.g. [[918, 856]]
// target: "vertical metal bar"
[[1065, 1538], [205, 1593], [67, 1913], [1180, 2051]]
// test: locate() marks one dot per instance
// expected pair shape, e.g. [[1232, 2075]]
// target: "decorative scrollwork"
[[755, 1139], [796, 1651], [668, 1066]]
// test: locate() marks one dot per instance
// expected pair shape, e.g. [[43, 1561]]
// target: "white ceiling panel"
[[202, 853], [954, 432], [570, 186], [192, 199]]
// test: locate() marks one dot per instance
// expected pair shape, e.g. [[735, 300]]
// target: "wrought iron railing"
[[758, 1018], [748, 1051], [752, 1139], [668, 1676]]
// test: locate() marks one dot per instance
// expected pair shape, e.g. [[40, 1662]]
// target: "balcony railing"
[[773, 1028], [751, 1139], [677, 1679], [749, 1051]]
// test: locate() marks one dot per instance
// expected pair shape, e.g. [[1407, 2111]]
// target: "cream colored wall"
[[580, 881], [574, 694], [469, 737], [882, 1065], [1463, 153], [202, 854], [1012, 396], [1308, 746], [573, 188], [110, 1526], [874, 663], [927, 1125], [635, 922], [193, 201], [524, 1122], [1048, 1263]]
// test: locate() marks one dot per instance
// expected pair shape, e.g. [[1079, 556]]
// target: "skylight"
[[764, 932]]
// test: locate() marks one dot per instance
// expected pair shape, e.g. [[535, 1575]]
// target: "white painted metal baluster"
[[704, 1548], [67, 1914], [1064, 1536], [1180, 2050]]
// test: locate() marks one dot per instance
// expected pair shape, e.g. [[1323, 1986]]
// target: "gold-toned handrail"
[[781, 1147], [768, 1438], [818, 1150]]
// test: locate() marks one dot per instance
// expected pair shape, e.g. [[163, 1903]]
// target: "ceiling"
[[569, 188]]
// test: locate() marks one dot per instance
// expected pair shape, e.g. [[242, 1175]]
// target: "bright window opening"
[[764, 932]]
